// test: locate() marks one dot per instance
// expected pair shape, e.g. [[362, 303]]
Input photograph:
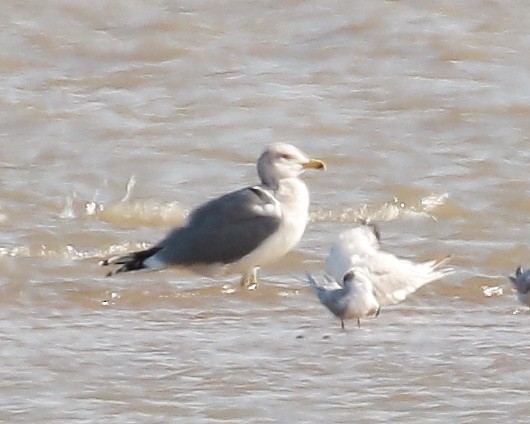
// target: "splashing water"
[[129, 189], [68, 211], [389, 211]]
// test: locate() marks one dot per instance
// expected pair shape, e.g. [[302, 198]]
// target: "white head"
[[281, 160], [356, 279]]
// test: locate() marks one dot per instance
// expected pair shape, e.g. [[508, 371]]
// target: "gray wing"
[[335, 300], [224, 229], [331, 295], [521, 280]]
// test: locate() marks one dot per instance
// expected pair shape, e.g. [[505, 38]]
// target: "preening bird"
[[393, 278], [360, 277]]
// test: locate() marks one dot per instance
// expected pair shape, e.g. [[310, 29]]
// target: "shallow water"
[[120, 117]]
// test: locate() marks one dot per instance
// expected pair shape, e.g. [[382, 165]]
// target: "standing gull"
[[239, 231], [380, 277], [521, 281]]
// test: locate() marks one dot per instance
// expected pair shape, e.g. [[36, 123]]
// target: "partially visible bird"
[[393, 279], [354, 299], [521, 281], [239, 231]]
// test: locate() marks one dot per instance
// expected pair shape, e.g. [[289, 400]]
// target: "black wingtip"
[[133, 265], [129, 262]]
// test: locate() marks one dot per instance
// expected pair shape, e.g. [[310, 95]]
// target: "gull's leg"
[[342, 324], [359, 322], [249, 280]]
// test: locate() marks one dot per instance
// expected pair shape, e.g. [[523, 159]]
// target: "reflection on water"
[[124, 117]]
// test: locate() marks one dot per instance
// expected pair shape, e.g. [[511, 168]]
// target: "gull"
[[239, 231], [521, 281], [361, 277], [355, 298]]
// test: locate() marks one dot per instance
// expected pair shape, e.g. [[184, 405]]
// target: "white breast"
[[293, 198]]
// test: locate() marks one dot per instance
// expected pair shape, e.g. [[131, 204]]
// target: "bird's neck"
[[360, 287], [347, 287], [293, 192]]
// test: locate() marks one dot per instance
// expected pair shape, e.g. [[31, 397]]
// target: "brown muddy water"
[[118, 117]]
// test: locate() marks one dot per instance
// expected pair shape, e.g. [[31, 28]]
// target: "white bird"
[[393, 279], [521, 281], [369, 276], [239, 231], [355, 298]]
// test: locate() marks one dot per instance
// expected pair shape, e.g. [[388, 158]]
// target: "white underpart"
[[292, 199], [362, 301]]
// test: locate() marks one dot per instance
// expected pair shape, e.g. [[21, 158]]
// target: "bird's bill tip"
[[314, 164]]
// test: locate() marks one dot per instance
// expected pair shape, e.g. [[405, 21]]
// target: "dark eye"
[[286, 156]]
